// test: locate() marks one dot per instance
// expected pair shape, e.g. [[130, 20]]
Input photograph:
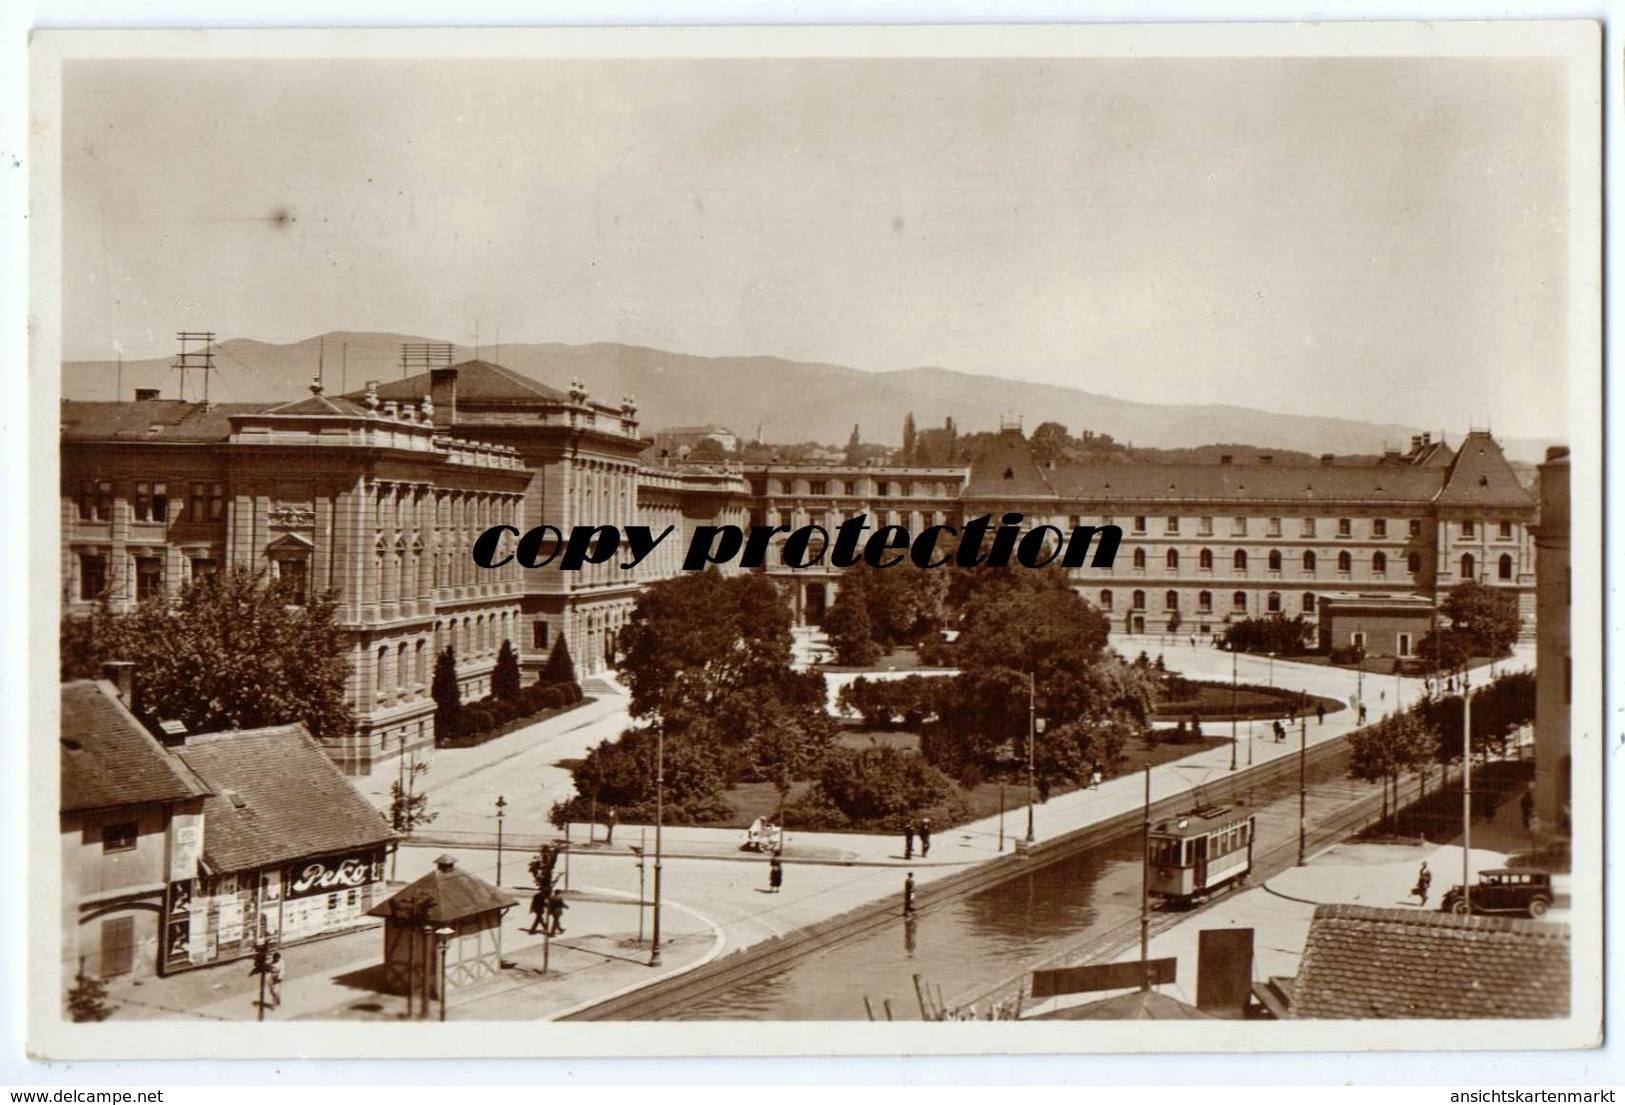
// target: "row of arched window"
[[406, 666], [1204, 561], [1204, 601]]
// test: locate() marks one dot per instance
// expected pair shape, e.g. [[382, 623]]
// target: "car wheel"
[[1460, 908], [1538, 907]]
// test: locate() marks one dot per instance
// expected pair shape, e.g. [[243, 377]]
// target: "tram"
[[1197, 854]]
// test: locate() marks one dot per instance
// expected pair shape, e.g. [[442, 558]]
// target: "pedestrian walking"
[[908, 895], [555, 915], [276, 980], [538, 911], [775, 874], [1527, 805], [908, 840], [609, 821], [925, 837], [1320, 713], [1362, 713], [1424, 880]]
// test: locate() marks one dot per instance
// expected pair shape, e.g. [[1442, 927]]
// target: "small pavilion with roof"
[[445, 898]]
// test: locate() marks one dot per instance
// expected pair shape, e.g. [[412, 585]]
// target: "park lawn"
[[748, 801], [1212, 703], [898, 659], [862, 739], [1137, 757]]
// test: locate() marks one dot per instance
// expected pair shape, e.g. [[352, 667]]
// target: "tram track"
[[669, 995]]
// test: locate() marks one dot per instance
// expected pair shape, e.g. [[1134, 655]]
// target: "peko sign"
[[324, 876]]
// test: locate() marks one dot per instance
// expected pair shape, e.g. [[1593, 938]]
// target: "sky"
[[1380, 239]]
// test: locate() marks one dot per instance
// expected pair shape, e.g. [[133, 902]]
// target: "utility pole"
[[1032, 737], [1303, 789], [1466, 788], [1233, 714], [660, 815], [1145, 888]]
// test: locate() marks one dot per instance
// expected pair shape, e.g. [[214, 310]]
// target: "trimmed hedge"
[[494, 717]]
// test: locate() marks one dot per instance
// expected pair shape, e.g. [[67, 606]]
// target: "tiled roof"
[[108, 757], [1476, 474], [1007, 470], [163, 420], [277, 798], [1362, 962], [1479, 475], [1137, 1005], [477, 382], [452, 895]]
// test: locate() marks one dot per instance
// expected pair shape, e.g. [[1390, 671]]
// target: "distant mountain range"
[[790, 401]]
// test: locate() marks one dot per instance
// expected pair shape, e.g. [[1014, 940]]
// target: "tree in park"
[[850, 632], [910, 436], [560, 668], [505, 682], [234, 650], [447, 693], [1033, 624], [1387, 750], [700, 637], [408, 806], [1483, 622]]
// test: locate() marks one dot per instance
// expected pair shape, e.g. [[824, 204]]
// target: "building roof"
[[320, 404], [1362, 962], [277, 797], [477, 382], [452, 896], [161, 420], [1137, 1005], [1479, 475], [108, 757], [1007, 470]]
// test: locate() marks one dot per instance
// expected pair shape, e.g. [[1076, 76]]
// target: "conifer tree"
[[505, 675], [560, 668]]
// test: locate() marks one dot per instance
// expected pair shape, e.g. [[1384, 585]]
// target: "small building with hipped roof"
[[445, 898]]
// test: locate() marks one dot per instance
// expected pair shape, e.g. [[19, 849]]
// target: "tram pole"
[[1233, 714], [1466, 788], [660, 816], [1145, 889], [1303, 789], [1032, 737]]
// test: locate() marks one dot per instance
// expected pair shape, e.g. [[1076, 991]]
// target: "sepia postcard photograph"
[[815, 541]]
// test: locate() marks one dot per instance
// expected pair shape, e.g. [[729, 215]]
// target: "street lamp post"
[[1233, 714], [1466, 788], [1032, 738], [1272, 669], [502, 805], [660, 815], [444, 933], [1303, 789]]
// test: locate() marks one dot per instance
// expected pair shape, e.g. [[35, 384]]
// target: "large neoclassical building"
[[379, 495]]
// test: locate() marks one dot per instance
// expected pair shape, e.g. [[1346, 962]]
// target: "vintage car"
[[1504, 891]]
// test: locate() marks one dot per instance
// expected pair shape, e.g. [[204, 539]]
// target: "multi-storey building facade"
[[826, 495], [1205, 545], [379, 497]]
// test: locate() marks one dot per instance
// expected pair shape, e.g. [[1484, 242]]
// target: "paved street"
[[716, 895]]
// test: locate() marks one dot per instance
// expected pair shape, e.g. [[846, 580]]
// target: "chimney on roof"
[[1226, 458], [1266, 458], [1326, 460], [121, 673], [1427, 439], [1416, 443], [443, 393], [445, 863], [146, 395], [1556, 452]]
